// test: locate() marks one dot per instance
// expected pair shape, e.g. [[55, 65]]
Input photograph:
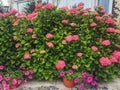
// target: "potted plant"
[[70, 78]]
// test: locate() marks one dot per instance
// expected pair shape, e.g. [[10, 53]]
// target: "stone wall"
[[116, 10]]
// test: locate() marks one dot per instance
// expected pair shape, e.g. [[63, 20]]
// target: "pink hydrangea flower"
[[75, 37], [116, 54], [110, 29], [49, 6], [32, 16], [60, 64], [7, 78], [110, 21], [73, 11], [106, 42], [64, 42], [94, 48], [79, 54], [1, 78], [29, 30], [49, 35], [76, 80], [1, 67], [104, 61], [94, 83], [13, 11], [31, 71], [113, 59], [27, 56], [86, 14], [81, 85], [34, 36], [64, 8], [69, 38], [30, 77], [14, 81], [64, 21], [103, 11], [93, 24], [38, 6], [73, 24], [98, 18], [50, 44], [81, 4], [62, 74]]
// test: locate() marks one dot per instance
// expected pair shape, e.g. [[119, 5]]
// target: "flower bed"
[[50, 40]]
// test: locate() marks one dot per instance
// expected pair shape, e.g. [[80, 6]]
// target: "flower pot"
[[68, 83]]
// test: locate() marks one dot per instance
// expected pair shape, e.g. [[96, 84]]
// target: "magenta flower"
[[4, 83], [1, 78], [94, 83], [31, 71], [7, 78], [76, 80], [30, 77], [27, 73], [1, 67], [89, 79], [84, 74], [81, 85], [70, 71], [62, 74], [14, 81], [19, 82]]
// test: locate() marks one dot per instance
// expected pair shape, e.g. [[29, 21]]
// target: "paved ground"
[[58, 85]]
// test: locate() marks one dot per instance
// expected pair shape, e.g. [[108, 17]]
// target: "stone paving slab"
[[58, 85]]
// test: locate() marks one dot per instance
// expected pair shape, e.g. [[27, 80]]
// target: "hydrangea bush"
[[51, 39]]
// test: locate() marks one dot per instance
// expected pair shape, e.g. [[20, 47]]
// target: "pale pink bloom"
[[30, 77], [60, 64], [50, 44], [32, 16], [19, 82], [64, 42], [1, 78], [103, 11], [1, 67], [29, 30], [105, 61], [64, 8], [116, 54], [49, 35], [80, 4], [14, 81], [13, 87], [42, 51], [65, 21], [110, 21], [106, 42], [69, 38], [98, 18], [73, 24], [49, 6], [79, 54], [7, 78], [94, 83], [113, 59], [100, 40], [24, 82], [27, 56], [110, 29], [75, 37], [34, 36], [38, 6], [13, 11], [17, 45], [93, 24], [94, 48]]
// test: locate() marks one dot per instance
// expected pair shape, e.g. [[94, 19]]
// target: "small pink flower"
[[49, 6], [76, 80], [1, 78], [32, 16], [94, 48], [29, 30], [104, 61], [94, 83], [19, 82], [70, 71], [14, 81], [98, 18], [110, 29], [27, 73], [73, 24], [7, 78], [93, 24], [73, 11], [81, 85], [75, 37], [113, 59], [60, 64], [116, 54], [84, 74], [31, 71], [106, 42], [17, 45], [64, 42], [79, 54], [38, 6], [27, 56], [64, 21], [50, 44], [30, 77], [80, 4], [49, 35], [34, 36], [62, 74], [110, 21], [69, 38], [1, 67], [89, 79], [13, 11]]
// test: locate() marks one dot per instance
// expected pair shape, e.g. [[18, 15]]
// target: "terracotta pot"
[[68, 83]]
